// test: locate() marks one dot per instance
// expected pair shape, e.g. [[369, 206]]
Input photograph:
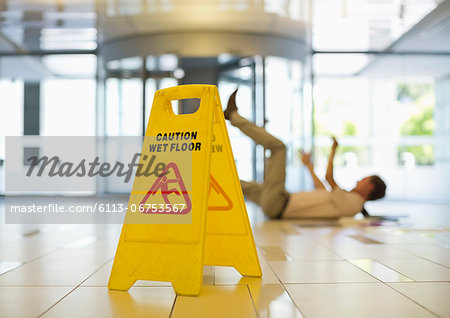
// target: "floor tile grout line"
[[437, 245], [292, 260], [399, 249], [391, 268], [376, 260], [420, 305], [421, 257], [330, 249], [343, 259], [173, 305], [348, 259], [293, 301], [387, 285], [436, 262], [253, 301], [429, 260], [109, 260], [273, 271], [61, 299], [379, 281], [234, 284], [85, 286], [332, 283], [36, 258], [284, 287], [32, 260], [11, 268]]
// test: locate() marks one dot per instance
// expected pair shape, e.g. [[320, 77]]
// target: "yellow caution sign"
[[191, 211]]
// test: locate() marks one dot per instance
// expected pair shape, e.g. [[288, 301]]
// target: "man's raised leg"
[[273, 196]]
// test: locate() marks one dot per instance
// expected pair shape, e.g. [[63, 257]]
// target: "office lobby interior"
[[82, 77]]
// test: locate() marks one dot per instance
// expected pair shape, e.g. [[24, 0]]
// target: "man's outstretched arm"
[[329, 175], [306, 159]]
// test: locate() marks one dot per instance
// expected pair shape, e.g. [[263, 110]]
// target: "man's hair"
[[379, 188]]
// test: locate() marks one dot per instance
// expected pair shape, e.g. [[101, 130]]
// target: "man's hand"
[[335, 143], [329, 174], [305, 157]]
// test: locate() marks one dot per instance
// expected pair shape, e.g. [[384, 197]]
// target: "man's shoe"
[[231, 106]]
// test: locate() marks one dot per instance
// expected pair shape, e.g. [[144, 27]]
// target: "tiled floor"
[[346, 268]]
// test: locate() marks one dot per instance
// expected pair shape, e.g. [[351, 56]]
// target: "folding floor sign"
[[189, 211]]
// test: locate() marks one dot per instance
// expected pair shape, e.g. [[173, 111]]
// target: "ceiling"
[[85, 26], [429, 40]]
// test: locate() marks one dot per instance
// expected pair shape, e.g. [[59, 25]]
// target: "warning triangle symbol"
[[218, 199], [161, 186]]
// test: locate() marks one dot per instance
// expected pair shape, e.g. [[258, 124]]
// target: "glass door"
[[130, 86], [241, 75]]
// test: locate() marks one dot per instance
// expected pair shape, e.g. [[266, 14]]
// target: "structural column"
[[31, 108]]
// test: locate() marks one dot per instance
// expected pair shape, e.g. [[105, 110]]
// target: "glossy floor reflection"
[[338, 268]]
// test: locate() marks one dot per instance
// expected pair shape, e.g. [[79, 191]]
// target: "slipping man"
[[276, 202]]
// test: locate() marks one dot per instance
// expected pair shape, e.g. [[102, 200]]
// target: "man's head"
[[371, 188]]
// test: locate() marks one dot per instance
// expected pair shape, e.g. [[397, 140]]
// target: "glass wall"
[[123, 107], [385, 126], [283, 112], [378, 75], [270, 96], [279, 102], [68, 95], [126, 108], [68, 107], [11, 110], [242, 146], [11, 118], [59, 89], [126, 111]]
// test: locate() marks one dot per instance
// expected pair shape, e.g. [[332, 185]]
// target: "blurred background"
[[374, 73]]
